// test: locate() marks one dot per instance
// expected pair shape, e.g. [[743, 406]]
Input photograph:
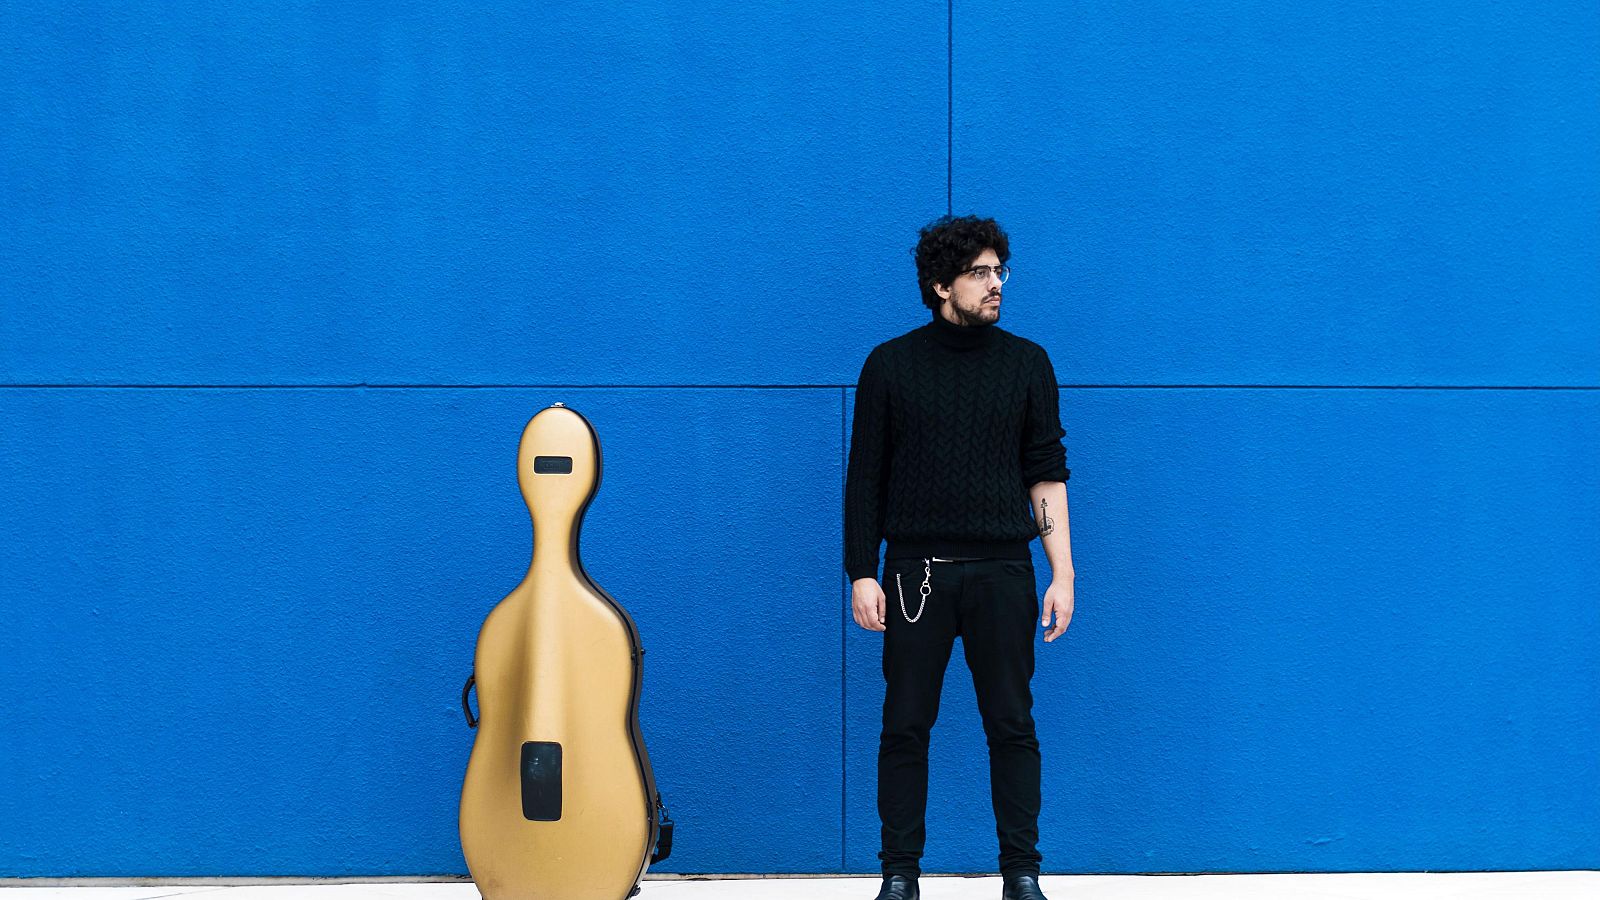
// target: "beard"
[[979, 314]]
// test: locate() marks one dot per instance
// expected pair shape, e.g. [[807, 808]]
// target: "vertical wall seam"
[[844, 665], [950, 106]]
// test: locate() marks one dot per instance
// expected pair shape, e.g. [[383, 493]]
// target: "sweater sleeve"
[[1044, 458], [866, 476]]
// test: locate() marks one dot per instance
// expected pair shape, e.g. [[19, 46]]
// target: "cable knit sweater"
[[952, 425]]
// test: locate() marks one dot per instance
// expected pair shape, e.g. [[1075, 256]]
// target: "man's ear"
[[942, 290]]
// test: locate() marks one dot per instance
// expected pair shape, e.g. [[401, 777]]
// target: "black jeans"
[[994, 605]]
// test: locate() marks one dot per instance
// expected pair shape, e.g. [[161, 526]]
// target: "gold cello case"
[[559, 802]]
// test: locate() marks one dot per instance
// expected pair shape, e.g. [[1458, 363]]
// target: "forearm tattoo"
[[1046, 524]]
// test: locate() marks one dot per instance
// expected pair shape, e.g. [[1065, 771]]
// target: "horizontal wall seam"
[[826, 387]]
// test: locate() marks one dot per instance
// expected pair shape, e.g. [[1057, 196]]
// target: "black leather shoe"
[[898, 887], [1022, 887]]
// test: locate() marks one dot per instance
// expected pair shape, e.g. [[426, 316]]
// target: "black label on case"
[[552, 465], [541, 781]]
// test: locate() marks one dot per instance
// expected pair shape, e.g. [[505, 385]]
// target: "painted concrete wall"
[[281, 284]]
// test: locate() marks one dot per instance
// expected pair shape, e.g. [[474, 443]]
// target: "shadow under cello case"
[[559, 801]]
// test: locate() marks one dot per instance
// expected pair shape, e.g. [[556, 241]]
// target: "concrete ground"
[[1580, 885]]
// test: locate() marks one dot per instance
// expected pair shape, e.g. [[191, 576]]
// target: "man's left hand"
[[1057, 599]]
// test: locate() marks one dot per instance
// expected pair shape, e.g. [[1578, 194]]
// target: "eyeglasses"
[[981, 273]]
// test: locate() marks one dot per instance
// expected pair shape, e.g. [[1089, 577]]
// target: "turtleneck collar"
[[960, 337]]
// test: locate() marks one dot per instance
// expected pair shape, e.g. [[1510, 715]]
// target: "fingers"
[[868, 611], [863, 615], [873, 620], [1054, 631]]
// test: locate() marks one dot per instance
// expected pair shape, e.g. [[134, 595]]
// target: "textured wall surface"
[[282, 284]]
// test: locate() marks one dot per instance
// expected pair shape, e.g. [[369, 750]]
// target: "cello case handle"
[[465, 706], [664, 841]]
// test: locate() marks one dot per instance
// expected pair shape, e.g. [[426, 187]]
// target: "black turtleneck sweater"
[[952, 425]]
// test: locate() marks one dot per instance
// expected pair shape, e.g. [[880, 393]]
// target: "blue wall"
[[283, 282]]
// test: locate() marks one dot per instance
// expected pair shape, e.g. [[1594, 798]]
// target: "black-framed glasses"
[[981, 273]]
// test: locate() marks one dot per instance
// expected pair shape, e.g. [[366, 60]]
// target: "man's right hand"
[[866, 602]]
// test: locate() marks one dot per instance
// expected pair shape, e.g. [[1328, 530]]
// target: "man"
[[956, 459]]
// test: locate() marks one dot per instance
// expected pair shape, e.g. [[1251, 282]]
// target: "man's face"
[[969, 300]]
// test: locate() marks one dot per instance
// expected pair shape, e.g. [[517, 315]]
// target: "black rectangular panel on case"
[[552, 465], [541, 781]]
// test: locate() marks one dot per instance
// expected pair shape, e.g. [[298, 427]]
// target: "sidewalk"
[[1582, 885]]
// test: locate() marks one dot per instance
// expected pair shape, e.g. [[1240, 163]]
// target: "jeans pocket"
[[1018, 567]]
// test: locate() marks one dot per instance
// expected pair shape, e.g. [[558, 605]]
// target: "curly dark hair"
[[948, 245]]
